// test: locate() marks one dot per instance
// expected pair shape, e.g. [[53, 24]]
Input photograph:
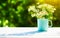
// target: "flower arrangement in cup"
[[42, 11]]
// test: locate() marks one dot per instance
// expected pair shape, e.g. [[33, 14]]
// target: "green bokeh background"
[[14, 13]]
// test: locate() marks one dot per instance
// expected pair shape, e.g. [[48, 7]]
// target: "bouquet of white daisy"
[[42, 11]]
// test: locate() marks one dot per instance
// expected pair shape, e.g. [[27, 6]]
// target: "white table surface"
[[29, 32]]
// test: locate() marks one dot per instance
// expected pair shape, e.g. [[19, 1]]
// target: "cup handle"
[[51, 23]]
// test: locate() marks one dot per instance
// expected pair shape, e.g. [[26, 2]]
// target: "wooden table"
[[29, 32]]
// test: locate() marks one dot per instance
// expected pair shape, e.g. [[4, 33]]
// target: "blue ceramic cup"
[[43, 24]]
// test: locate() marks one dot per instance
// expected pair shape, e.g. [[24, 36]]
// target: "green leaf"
[[4, 4], [1, 7], [20, 8]]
